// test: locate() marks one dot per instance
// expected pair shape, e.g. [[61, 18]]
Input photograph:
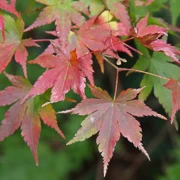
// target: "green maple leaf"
[[161, 65], [174, 7]]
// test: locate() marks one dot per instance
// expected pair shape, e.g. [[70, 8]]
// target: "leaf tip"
[[105, 169], [141, 148], [69, 143]]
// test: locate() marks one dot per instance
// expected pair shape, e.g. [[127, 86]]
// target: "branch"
[[134, 70]]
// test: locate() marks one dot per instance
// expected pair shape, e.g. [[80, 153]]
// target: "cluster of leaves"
[[86, 30]]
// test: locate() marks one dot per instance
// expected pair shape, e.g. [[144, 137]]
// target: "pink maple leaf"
[[149, 37], [111, 119], [174, 86], [24, 115]]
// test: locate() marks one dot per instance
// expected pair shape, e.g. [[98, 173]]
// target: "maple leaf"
[[174, 86], [9, 7], [88, 38], [63, 13], [119, 11], [63, 73], [111, 118], [116, 8], [149, 37], [26, 115], [160, 65], [14, 45], [162, 46]]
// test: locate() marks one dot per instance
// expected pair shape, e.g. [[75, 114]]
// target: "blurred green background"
[[82, 161]]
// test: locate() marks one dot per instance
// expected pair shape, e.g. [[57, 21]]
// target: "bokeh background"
[[82, 161]]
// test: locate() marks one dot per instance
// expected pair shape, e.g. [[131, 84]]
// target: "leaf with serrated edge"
[[161, 65], [14, 45], [174, 86], [63, 74], [149, 37], [9, 7], [111, 118], [25, 114], [64, 13]]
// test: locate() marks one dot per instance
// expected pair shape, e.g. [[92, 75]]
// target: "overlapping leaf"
[[63, 73], [88, 36], [10, 7], [63, 13], [119, 11], [161, 65], [149, 37], [26, 115], [116, 8], [14, 45], [112, 118], [87, 39], [174, 86]]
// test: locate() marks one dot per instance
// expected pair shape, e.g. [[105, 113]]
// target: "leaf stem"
[[134, 70], [116, 84], [144, 72]]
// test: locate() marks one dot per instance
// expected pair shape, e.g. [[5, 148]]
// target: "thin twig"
[[134, 70]]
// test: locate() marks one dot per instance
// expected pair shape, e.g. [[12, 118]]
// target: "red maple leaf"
[[63, 73], [112, 118], [174, 86], [87, 39], [149, 37], [26, 115], [9, 7], [99, 34], [63, 13], [14, 45]]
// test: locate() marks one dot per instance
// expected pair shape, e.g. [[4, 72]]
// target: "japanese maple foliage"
[[174, 86], [85, 31], [63, 74], [26, 115], [149, 37], [112, 118], [13, 44], [63, 13], [10, 7]]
